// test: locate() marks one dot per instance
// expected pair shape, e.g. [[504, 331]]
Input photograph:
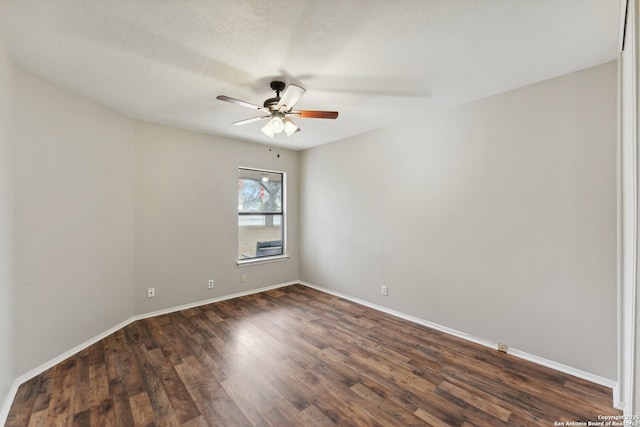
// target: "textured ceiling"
[[377, 62]]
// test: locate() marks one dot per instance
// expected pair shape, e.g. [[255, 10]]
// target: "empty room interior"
[[417, 212]]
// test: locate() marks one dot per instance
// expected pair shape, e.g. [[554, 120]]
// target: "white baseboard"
[[494, 345], [6, 406], [4, 413], [209, 301]]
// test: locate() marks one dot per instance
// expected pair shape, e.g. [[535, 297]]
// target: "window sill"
[[262, 260]]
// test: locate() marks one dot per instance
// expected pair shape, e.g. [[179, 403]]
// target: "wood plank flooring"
[[295, 356]]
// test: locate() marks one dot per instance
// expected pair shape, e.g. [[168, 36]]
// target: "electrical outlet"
[[243, 277], [383, 290], [503, 347], [210, 283], [151, 292]]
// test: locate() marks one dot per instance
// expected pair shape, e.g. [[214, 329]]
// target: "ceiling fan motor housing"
[[272, 103]]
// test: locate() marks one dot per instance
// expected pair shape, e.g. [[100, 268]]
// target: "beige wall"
[[186, 216], [85, 179], [496, 218], [6, 226], [74, 220]]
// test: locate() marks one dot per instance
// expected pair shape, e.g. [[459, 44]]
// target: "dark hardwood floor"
[[297, 356]]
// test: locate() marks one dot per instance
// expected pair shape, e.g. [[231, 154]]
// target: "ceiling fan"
[[279, 109]]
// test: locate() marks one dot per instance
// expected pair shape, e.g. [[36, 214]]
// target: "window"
[[260, 214]]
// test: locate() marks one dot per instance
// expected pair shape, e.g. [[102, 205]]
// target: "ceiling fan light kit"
[[266, 129], [289, 127], [276, 122], [279, 109]]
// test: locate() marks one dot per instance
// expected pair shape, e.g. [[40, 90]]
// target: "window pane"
[[259, 191], [259, 235]]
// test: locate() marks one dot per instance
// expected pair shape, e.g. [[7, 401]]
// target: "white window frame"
[[268, 258]]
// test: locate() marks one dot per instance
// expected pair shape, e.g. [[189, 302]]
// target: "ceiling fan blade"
[[290, 96], [251, 120], [310, 114], [240, 103]]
